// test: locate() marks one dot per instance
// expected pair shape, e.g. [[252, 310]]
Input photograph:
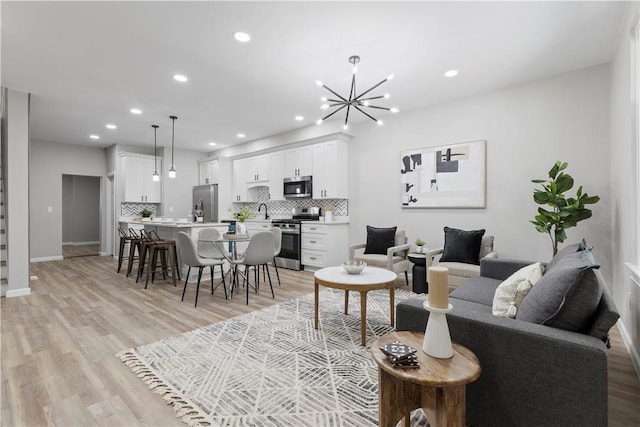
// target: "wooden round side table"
[[437, 386]]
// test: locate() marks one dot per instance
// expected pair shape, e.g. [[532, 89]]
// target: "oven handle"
[[290, 231]]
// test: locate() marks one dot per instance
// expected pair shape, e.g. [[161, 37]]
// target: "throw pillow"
[[566, 297], [462, 246], [566, 251], [510, 293], [379, 240]]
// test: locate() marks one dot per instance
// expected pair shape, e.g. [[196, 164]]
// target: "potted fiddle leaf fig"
[[562, 211]]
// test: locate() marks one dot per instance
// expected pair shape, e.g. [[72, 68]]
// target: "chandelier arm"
[[331, 114], [336, 100], [369, 90], [331, 90], [371, 98], [379, 108], [365, 113], [352, 92], [346, 117], [337, 103]]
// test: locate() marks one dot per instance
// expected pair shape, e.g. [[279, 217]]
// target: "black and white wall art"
[[448, 176]]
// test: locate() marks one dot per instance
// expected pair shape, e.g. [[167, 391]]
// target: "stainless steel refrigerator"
[[205, 197]]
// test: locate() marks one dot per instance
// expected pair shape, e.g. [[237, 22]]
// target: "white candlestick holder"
[[437, 339]]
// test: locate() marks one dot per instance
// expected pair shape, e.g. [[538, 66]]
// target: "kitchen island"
[[170, 230]]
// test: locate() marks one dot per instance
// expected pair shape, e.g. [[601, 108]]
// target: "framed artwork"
[[448, 176]]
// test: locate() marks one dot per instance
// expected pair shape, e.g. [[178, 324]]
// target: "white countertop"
[[177, 224]]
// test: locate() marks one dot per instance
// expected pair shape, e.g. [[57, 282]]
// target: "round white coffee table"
[[370, 279]]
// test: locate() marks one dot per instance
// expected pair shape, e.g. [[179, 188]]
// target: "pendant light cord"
[[155, 147], [173, 127]]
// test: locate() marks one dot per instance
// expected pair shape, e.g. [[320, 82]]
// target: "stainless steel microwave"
[[298, 187]]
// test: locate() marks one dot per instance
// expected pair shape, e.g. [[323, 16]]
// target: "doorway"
[[80, 216]]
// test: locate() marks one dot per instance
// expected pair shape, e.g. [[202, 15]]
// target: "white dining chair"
[[190, 257], [259, 252]]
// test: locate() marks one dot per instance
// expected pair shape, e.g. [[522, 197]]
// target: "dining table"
[[229, 256]]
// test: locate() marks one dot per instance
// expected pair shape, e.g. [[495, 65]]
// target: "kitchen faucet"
[[266, 215]]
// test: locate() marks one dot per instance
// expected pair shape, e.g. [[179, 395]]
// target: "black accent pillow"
[[379, 240], [462, 246]]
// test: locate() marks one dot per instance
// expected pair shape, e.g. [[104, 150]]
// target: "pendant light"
[[172, 170], [156, 177]]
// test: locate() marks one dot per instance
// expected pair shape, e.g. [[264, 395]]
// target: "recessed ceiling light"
[[241, 135], [299, 118], [110, 126], [451, 73], [212, 143], [94, 137], [241, 36], [136, 111], [180, 78]]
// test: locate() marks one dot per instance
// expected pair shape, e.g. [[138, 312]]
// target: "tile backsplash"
[[134, 209], [282, 208]]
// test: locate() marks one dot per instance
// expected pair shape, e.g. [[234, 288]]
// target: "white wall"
[[16, 118], [176, 192], [624, 179], [527, 128], [48, 162]]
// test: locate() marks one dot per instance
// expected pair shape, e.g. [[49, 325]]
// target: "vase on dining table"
[[241, 228]]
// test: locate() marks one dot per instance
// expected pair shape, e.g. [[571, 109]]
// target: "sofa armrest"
[[352, 249], [501, 268], [525, 367], [393, 250]]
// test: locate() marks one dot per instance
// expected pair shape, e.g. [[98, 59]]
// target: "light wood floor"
[[72, 251], [59, 345]]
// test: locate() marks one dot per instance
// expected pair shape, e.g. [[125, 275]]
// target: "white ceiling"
[[87, 63]]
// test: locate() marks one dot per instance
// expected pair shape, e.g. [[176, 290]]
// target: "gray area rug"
[[272, 368]]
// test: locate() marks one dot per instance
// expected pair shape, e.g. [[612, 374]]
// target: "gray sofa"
[[532, 374]]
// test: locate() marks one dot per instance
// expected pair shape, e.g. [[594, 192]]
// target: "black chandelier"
[[354, 100]]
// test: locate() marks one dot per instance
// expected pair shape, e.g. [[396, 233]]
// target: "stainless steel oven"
[[291, 249]]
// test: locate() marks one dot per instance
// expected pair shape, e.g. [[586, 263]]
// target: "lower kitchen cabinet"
[[324, 245]]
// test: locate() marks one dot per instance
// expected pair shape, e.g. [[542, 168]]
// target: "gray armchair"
[[395, 260], [458, 271]]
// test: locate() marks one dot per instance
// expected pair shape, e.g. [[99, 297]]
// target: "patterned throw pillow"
[[510, 293]]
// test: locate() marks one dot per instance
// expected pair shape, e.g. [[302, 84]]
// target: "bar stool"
[[124, 239], [135, 243], [167, 250]]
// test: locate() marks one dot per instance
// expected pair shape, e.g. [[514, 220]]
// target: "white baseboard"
[[18, 292], [47, 258], [101, 253], [80, 243], [635, 357]]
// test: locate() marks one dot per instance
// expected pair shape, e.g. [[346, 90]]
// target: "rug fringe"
[[185, 411]]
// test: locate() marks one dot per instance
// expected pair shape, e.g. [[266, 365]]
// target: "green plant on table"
[[146, 213], [243, 214], [199, 213], [419, 242], [565, 211]]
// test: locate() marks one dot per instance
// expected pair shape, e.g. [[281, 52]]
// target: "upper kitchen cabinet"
[[138, 182], [299, 161], [258, 169], [240, 181], [211, 171], [330, 163], [276, 175]]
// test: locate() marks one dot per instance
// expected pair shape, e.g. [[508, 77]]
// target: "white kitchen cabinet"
[[240, 193], [324, 245], [209, 172], [330, 163], [299, 161], [258, 169], [138, 182], [276, 175]]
